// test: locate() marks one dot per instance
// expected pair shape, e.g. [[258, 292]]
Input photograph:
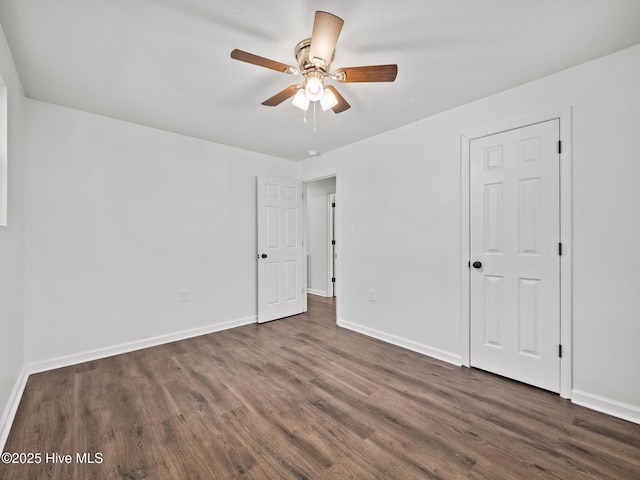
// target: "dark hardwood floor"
[[300, 398]]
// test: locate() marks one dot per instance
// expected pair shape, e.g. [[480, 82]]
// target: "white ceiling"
[[166, 63]]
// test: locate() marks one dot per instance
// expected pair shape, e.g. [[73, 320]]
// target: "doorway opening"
[[321, 240]]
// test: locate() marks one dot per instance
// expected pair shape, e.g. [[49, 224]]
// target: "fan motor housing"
[[305, 63]]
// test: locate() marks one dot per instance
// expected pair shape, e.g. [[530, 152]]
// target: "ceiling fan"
[[314, 56]]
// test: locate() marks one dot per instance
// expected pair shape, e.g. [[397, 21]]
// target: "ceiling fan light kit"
[[314, 86], [301, 100], [314, 56], [328, 100]]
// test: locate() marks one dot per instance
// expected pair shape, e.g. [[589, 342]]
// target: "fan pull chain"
[[314, 117], [304, 117]]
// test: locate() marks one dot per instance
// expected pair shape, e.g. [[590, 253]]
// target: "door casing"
[[331, 247], [315, 178], [566, 261]]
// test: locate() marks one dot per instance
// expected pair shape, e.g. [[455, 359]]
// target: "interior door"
[[281, 269], [515, 271]]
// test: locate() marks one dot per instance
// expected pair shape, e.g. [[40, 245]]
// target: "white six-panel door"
[[281, 270], [515, 230]]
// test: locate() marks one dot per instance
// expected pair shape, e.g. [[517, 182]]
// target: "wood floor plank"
[[300, 398]]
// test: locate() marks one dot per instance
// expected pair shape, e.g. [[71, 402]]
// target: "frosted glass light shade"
[[300, 100], [328, 100], [314, 89]]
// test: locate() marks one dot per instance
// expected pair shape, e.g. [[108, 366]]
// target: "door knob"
[[477, 264], [264, 255]]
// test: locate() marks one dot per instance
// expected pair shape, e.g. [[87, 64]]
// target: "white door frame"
[[305, 181], [332, 229], [566, 260]]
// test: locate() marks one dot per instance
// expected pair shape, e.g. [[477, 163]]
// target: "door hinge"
[[559, 146], [333, 242], [560, 248], [560, 351], [333, 279], [333, 204]]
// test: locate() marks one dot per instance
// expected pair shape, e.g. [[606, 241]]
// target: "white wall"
[[120, 218], [12, 248], [318, 234], [400, 194]]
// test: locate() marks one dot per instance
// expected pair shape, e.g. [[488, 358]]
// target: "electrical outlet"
[[372, 295], [184, 295]]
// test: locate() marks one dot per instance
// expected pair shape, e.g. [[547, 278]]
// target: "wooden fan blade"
[[342, 104], [326, 30], [262, 62], [281, 96], [373, 73]]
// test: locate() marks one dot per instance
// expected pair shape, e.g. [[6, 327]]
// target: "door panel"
[[281, 292], [493, 301], [515, 230], [493, 207], [528, 317]]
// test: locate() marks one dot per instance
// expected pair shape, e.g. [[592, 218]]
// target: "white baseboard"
[[606, 405], [12, 407], [320, 293], [36, 367], [403, 342], [96, 354], [595, 402]]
